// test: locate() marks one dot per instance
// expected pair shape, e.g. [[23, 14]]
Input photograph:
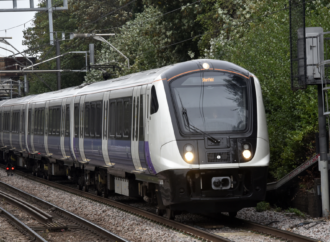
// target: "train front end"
[[218, 155]]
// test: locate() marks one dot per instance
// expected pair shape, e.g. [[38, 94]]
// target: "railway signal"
[[308, 67]]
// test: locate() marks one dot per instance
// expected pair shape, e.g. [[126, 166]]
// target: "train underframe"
[[172, 191]]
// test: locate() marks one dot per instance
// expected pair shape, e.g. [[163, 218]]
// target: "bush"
[[278, 209], [296, 212], [262, 206]]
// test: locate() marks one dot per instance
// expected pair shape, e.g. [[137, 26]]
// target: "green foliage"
[[251, 33], [262, 206], [278, 209], [296, 212]]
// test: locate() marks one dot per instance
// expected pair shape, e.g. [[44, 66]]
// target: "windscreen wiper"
[[194, 128]]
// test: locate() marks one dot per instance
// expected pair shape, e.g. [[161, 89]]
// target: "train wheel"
[[85, 188], [232, 214], [105, 194], [160, 212], [170, 214]]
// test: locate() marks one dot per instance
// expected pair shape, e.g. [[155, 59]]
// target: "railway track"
[[188, 230], [20, 226], [48, 222]]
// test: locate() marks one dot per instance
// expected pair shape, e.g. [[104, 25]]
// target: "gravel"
[[10, 233], [134, 228], [121, 223], [316, 228]]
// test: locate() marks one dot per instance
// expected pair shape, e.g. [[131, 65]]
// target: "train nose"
[[221, 183]]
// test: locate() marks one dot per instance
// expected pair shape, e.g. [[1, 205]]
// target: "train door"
[[27, 127], [62, 128], [11, 127], [1, 127], [135, 129], [105, 117], [21, 128], [67, 140], [32, 128], [148, 137], [81, 130], [46, 128], [77, 122]]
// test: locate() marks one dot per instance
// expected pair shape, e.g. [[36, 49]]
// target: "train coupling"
[[221, 183]]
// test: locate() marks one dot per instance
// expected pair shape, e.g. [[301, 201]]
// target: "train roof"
[[135, 79]]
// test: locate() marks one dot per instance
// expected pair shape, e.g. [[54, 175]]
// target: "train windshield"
[[211, 102]]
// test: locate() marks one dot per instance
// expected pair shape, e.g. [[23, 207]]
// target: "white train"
[[189, 137]]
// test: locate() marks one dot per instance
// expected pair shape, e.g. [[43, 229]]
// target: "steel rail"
[[33, 211], [40, 217], [282, 234], [71, 216], [21, 226], [185, 229], [262, 229]]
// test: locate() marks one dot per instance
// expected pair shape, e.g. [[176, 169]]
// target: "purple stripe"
[[148, 159]]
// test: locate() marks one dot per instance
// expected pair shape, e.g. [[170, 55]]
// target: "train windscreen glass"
[[211, 101]]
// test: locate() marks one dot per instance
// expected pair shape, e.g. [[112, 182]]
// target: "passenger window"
[[76, 120], [92, 118], [98, 120], [58, 121], [112, 119], [67, 121], [141, 130], [154, 101], [119, 123], [36, 122], [86, 119], [127, 122], [29, 122], [23, 122], [42, 121], [50, 123]]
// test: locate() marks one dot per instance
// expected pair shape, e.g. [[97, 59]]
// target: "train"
[[188, 137]]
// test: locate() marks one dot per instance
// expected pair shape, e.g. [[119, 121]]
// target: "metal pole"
[[31, 4], [50, 19], [323, 162], [14, 3], [58, 64], [91, 54], [26, 86]]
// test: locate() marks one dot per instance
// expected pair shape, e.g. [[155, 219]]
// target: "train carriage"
[[187, 137]]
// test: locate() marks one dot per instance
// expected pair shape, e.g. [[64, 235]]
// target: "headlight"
[[189, 156], [247, 154]]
